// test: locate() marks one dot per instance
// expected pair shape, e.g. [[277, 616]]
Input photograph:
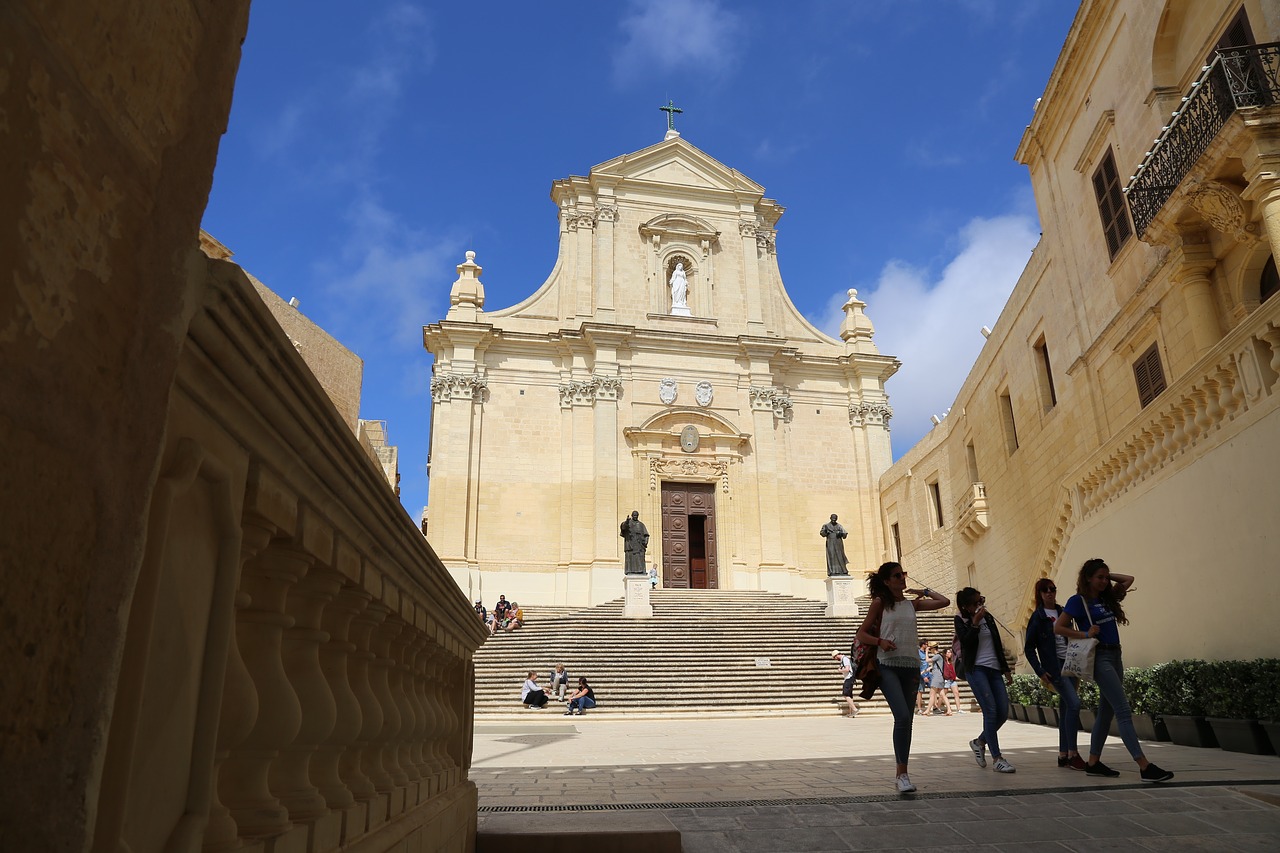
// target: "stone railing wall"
[[1238, 377], [297, 672], [971, 512]]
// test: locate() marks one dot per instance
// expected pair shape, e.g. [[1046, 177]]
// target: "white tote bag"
[[1079, 660]]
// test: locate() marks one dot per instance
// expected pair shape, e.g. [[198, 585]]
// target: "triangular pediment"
[[676, 162]]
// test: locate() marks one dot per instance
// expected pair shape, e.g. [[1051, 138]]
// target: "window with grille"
[[1149, 375], [1111, 206]]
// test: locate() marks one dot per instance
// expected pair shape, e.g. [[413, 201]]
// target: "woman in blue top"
[[1045, 652], [1101, 592]]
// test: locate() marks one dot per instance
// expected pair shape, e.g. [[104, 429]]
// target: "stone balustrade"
[[1235, 382], [298, 666], [971, 512]]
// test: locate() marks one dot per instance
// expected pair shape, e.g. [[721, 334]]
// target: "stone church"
[[660, 368]]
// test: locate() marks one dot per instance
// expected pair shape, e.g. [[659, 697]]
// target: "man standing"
[[846, 667], [636, 537], [835, 534]]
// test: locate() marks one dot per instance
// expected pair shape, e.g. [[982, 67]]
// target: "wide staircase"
[[705, 652]]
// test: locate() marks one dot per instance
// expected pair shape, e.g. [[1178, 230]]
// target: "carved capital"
[[766, 240], [870, 414], [607, 213], [585, 392], [776, 400], [747, 229], [446, 387]]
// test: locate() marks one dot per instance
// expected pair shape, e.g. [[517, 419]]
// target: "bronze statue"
[[636, 537], [835, 534]]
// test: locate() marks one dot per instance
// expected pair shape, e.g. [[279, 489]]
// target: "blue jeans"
[[1108, 671], [988, 688], [1068, 713], [582, 703], [898, 686]]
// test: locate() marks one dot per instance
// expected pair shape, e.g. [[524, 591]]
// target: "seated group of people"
[[533, 696], [506, 615]]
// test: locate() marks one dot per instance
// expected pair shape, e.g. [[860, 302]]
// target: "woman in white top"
[[531, 695], [987, 672], [890, 626]]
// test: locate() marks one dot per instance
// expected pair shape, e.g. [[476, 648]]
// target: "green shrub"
[[1021, 690], [1179, 688], [1088, 691], [1041, 695], [1267, 694], [1138, 689]]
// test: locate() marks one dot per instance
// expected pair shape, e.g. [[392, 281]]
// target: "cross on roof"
[[671, 109]]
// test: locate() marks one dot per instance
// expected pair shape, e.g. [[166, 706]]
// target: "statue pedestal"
[[681, 311], [841, 600], [636, 604]]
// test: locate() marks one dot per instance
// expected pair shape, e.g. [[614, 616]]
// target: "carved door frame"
[[678, 501]]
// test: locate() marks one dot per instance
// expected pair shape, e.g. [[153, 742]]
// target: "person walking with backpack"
[[1045, 651], [988, 674], [890, 626], [1096, 611]]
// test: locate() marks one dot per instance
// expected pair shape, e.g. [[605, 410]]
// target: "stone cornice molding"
[[446, 387], [680, 227]]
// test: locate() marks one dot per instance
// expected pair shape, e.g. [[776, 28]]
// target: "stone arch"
[[1181, 45], [1245, 286]]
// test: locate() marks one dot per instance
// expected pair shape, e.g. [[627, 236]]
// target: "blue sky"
[[371, 144]]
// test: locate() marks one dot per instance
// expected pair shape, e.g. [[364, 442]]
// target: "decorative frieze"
[[458, 386], [777, 400], [705, 469]]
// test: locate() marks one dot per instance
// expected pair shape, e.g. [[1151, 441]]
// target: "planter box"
[[1241, 736], [1035, 715], [1087, 718], [1189, 731], [1272, 728], [1017, 711], [1050, 716], [1150, 728]]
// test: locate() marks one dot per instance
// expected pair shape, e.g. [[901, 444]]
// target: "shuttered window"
[[1115, 217], [1237, 34], [1149, 375]]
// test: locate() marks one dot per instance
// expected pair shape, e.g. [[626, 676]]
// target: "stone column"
[[1193, 273]]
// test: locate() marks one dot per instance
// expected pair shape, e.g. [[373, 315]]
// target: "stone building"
[[701, 398], [1127, 404]]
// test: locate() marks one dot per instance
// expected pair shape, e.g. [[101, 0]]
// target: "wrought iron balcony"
[[1237, 78]]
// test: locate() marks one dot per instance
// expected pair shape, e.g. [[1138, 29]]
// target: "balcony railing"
[[971, 512], [1237, 78]]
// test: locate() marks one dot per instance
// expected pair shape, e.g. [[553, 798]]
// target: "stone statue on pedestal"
[[835, 534], [679, 291], [636, 540]]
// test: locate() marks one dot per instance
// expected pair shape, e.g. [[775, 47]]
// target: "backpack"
[[957, 660]]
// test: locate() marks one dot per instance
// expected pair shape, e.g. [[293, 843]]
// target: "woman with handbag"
[[1097, 613], [1045, 651], [889, 632], [987, 670]]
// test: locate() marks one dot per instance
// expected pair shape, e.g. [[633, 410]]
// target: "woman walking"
[[1097, 612], [949, 677], [987, 671], [1045, 651], [890, 626], [937, 678]]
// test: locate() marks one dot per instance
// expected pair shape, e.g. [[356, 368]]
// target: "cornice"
[[1084, 28]]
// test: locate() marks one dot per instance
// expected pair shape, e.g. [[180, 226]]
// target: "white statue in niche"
[[680, 292]]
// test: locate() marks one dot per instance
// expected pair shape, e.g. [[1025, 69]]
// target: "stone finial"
[[466, 298], [856, 329]]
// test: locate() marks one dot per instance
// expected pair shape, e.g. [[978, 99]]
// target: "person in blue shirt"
[[1045, 651], [1097, 612]]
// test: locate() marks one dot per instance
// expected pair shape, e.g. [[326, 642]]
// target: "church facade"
[[660, 368]]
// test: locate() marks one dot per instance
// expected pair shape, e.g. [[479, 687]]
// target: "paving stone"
[[1005, 831], [797, 840]]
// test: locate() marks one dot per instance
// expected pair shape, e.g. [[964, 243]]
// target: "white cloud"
[[932, 322], [388, 279], [677, 35]]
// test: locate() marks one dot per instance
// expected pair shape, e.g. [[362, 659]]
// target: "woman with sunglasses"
[[890, 626], [1096, 611], [987, 671], [1045, 652]]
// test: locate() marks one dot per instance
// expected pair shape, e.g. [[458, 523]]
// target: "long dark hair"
[[1110, 596], [1041, 586], [966, 598], [878, 583]]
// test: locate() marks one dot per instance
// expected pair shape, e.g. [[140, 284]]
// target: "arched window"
[[1269, 283]]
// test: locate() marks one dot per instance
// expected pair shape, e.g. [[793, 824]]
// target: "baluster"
[[327, 770], [1170, 443], [423, 757], [1271, 334], [260, 632], [437, 748], [451, 684], [383, 675], [1200, 397], [239, 707], [1213, 390], [290, 776], [402, 688], [360, 664]]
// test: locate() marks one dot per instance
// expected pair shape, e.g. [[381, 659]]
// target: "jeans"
[[1068, 713], [582, 703], [1108, 671], [898, 685], [988, 688]]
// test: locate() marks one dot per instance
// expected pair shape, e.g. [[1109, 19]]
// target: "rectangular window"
[[1044, 369], [1149, 374], [1111, 205], [935, 498], [897, 543], [1010, 428], [971, 456]]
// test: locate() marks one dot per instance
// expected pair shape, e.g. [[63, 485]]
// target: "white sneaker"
[[979, 752], [904, 784], [1002, 766]]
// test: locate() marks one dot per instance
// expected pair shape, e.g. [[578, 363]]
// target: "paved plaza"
[[817, 783]]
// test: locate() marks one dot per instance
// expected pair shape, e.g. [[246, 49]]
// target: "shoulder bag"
[[865, 666], [1079, 660]]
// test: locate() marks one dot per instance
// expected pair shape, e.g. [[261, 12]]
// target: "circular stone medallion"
[[689, 438]]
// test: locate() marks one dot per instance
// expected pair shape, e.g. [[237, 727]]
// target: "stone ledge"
[[569, 832]]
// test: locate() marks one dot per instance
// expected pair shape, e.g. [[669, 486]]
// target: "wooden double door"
[[689, 536]]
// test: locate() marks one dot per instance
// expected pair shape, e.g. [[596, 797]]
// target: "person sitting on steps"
[[582, 699], [531, 694]]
